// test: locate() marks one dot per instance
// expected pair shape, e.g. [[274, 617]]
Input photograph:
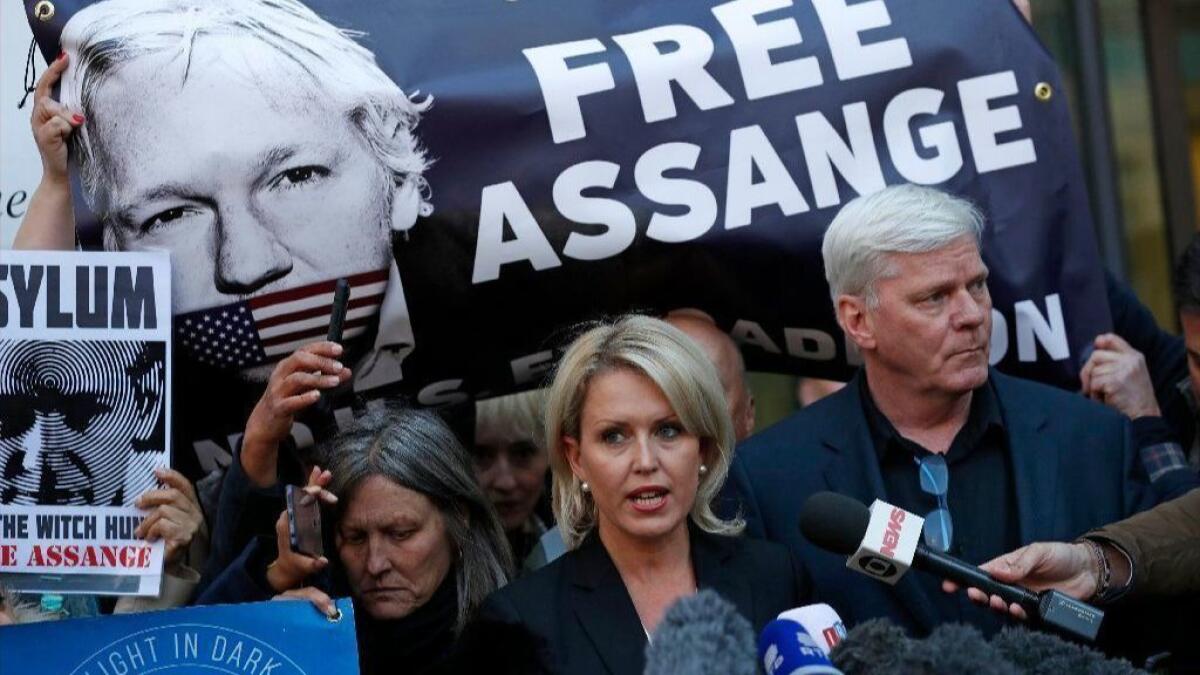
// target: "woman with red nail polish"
[[49, 222]]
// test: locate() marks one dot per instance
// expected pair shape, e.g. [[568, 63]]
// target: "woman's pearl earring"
[[585, 487], [703, 470]]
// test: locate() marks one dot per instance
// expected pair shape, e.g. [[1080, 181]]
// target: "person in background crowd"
[[418, 545], [1151, 376], [640, 440], [511, 464], [990, 461], [251, 493], [727, 359], [809, 390]]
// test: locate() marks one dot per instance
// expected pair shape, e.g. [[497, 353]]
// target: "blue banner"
[[488, 174], [266, 638]]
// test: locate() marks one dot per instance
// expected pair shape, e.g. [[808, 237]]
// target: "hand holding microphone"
[[884, 541], [1073, 569]]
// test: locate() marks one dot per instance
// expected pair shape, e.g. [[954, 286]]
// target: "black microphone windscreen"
[[954, 648], [834, 522], [702, 634], [1041, 653], [873, 647]]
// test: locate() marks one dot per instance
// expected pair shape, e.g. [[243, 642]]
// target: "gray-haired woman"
[[418, 544]]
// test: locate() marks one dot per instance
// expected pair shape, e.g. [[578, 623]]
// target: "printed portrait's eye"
[[163, 218], [16, 415], [299, 176], [80, 410]]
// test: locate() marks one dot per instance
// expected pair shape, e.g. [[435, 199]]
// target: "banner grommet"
[[1043, 91], [43, 10]]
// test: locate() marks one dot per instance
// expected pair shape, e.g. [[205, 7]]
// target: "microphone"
[[701, 634], [821, 622], [1034, 651], [873, 647], [785, 648], [884, 541]]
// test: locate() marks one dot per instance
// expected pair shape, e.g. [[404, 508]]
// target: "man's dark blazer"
[[578, 607], [1073, 463]]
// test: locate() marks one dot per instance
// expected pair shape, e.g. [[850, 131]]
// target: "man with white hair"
[[991, 462]]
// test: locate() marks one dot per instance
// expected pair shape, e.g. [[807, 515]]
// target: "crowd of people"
[[569, 518]]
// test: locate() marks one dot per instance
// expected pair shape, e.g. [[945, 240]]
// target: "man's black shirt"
[[981, 496]]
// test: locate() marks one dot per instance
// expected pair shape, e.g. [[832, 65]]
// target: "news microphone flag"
[[887, 549], [821, 622], [785, 648], [266, 328]]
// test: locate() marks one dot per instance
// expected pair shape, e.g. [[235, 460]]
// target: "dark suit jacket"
[[1074, 465], [579, 607]]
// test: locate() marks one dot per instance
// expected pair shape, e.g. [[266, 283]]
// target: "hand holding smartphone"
[[304, 522]]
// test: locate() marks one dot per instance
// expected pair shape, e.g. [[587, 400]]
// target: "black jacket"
[[1074, 467], [579, 611]]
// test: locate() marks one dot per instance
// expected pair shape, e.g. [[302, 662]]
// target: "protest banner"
[[85, 418], [265, 638], [559, 163]]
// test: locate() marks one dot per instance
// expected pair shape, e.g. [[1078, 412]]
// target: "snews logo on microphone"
[[887, 549]]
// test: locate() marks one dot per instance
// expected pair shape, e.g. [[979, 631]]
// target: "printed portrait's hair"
[[326, 61], [109, 399], [416, 450], [897, 219], [688, 380]]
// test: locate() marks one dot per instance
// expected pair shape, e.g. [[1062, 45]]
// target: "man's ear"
[[570, 447], [749, 414], [406, 204], [854, 318]]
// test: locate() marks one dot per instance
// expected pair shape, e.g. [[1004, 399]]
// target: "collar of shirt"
[[984, 417]]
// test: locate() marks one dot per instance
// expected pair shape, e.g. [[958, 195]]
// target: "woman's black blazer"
[[581, 616]]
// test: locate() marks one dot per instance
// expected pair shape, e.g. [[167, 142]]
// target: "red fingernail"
[[61, 55], [78, 119]]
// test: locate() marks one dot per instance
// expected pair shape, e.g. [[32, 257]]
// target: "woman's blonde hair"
[[686, 377], [522, 413]]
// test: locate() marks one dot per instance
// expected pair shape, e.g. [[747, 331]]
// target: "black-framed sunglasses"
[[935, 480]]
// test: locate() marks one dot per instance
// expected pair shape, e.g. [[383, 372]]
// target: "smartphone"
[[304, 522], [337, 319], [337, 322]]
